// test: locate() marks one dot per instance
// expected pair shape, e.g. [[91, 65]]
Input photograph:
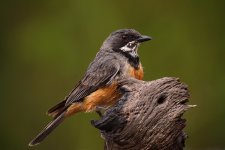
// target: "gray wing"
[[96, 77]]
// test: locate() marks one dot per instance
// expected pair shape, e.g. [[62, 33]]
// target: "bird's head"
[[125, 41]]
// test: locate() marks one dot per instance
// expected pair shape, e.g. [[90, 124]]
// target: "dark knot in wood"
[[148, 116]]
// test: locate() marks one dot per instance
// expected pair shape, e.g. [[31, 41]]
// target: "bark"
[[147, 116]]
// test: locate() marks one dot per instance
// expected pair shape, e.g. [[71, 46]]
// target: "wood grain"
[[147, 116]]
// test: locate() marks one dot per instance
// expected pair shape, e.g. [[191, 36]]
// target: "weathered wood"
[[148, 116]]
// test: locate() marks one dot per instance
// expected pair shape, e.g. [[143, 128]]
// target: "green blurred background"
[[46, 46]]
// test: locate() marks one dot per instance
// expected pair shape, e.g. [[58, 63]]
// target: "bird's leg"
[[98, 110], [99, 113]]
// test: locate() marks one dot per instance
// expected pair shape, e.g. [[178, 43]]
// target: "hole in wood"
[[161, 99]]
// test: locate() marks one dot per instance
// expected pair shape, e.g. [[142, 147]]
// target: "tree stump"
[[147, 116]]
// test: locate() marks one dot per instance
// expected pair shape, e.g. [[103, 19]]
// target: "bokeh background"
[[46, 46]]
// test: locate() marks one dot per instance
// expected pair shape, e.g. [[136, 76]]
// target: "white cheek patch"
[[131, 46], [126, 48], [133, 53]]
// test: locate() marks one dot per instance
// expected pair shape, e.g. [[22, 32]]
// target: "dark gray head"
[[125, 41]]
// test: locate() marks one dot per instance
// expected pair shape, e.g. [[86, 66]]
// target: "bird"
[[116, 60]]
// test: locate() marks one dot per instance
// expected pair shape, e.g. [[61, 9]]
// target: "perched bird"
[[117, 59]]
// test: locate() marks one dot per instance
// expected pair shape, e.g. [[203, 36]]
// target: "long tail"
[[55, 110], [48, 129]]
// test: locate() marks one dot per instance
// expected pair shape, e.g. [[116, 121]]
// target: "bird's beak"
[[144, 38]]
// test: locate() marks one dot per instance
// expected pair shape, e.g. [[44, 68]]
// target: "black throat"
[[133, 60]]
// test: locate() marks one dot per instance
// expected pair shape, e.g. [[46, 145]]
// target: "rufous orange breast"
[[103, 97], [137, 73]]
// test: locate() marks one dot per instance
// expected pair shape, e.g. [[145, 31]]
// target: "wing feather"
[[92, 81]]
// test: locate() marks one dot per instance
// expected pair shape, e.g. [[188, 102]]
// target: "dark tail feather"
[[48, 129], [55, 110]]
